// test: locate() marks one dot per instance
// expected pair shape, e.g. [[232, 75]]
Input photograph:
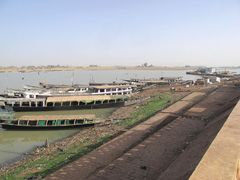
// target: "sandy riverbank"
[[98, 68]]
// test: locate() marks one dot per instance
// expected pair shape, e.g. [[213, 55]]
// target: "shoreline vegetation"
[[49, 158], [90, 68]]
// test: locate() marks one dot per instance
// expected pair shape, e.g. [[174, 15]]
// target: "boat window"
[[98, 102], [41, 123], [16, 104], [101, 90], [62, 122], [51, 123], [79, 121], [88, 121], [58, 123], [14, 121], [57, 104], [90, 102], [25, 104], [74, 103], [23, 122], [82, 103], [71, 121], [67, 103], [50, 104], [105, 101], [32, 123], [40, 103]]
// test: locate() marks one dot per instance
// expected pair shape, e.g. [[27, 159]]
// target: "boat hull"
[[22, 127], [60, 108]]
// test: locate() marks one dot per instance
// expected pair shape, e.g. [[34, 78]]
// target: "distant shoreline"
[[98, 68]]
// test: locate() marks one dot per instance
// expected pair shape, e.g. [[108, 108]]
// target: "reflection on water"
[[13, 144]]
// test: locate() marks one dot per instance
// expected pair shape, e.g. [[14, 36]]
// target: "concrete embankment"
[[105, 155], [169, 145], [221, 161]]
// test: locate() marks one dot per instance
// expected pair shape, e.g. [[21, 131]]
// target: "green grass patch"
[[56, 160], [146, 110]]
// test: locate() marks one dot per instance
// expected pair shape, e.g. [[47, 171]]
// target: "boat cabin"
[[78, 89], [110, 90]]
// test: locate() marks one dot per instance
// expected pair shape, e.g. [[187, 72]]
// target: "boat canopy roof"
[[56, 117], [85, 98]]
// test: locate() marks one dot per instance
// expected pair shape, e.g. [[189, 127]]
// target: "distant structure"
[[146, 65], [207, 70], [93, 65]]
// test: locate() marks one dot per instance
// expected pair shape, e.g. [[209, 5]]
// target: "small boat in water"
[[50, 122]]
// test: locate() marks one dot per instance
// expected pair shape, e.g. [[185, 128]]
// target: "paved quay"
[[151, 148], [221, 161]]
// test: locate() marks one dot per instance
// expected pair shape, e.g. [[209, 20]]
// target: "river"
[[14, 144], [16, 80]]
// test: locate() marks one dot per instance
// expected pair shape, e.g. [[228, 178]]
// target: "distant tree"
[[12, 67], [93, 65]]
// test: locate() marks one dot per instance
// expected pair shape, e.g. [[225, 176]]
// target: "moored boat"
[[94, 97], [50, 122]]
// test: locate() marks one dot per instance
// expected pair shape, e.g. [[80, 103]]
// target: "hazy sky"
[[120, 32]]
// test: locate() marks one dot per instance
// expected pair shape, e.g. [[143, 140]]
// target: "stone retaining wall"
[[222, 159]]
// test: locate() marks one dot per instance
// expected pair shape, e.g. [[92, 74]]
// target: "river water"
[[13, 144], [16, 80]]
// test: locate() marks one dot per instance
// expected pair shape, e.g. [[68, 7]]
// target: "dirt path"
[[167, 146]]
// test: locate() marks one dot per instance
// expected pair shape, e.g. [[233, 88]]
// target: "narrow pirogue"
[[50, 122]]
